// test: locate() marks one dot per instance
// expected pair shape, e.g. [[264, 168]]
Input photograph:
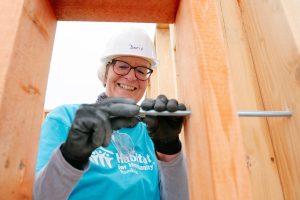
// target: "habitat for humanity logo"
[[132, 163]]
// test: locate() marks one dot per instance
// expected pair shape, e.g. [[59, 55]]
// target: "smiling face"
[[128, 85]]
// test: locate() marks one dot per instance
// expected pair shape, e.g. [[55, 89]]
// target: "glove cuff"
[[78, 164], [169, 148]]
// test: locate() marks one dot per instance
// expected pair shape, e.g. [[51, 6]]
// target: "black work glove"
[[164, 130], [93, 125]]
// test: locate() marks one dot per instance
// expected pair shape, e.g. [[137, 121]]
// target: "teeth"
[[127, 87]]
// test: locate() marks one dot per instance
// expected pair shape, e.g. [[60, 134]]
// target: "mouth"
[[126, 87]]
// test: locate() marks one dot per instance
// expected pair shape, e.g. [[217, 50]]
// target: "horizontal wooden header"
[[152, 11]]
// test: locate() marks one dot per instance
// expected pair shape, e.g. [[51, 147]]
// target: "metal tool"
[[144, 113], [265, 114]]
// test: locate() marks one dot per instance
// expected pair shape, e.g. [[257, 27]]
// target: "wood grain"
[[163, 80], [274, 43], [216, 157], [265, 181], [27, 34], [156, 11]]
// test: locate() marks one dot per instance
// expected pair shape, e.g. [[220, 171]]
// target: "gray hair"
[[102, 72]]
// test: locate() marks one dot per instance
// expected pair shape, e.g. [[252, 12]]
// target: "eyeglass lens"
[[123, 68]]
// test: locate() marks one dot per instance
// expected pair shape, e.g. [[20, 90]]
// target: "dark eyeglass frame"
[[150, 71]]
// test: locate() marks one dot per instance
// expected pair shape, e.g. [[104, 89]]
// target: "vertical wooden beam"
[[163, 80], [27, 34], [214, 146], [273, 35], [260, 156]]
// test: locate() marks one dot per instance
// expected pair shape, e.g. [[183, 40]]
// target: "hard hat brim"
[[154, 62]]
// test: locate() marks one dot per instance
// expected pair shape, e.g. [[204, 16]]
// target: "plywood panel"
[[116, 10], [27, 34], [260, 156], [274, 46], [214, 146]]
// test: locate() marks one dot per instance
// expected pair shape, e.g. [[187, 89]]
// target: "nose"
[[131, 75]]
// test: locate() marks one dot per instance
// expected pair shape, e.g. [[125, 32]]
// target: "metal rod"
[[264, 114], [143, 113]]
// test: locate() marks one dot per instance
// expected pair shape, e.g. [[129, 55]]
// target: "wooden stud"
[[265, 181], [273, 35], [156, 11], [27, 34], [214, 146], [163, 80]]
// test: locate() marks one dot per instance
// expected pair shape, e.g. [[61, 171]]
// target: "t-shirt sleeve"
[[57, 179], [173, 179], [54, 132]]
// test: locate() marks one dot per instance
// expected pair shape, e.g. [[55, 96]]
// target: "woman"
[[105, 150]]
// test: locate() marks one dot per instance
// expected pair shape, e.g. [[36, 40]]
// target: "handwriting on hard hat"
[[136, 47]]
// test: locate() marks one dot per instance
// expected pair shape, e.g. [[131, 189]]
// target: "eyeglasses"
[[123, 68]]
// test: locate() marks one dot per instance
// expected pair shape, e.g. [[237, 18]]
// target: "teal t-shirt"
[[110, 176]]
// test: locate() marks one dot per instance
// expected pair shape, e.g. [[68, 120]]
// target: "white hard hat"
[[129, 42]]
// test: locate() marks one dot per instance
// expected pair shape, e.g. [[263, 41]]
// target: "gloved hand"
[[164, 130], [93, 125]]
